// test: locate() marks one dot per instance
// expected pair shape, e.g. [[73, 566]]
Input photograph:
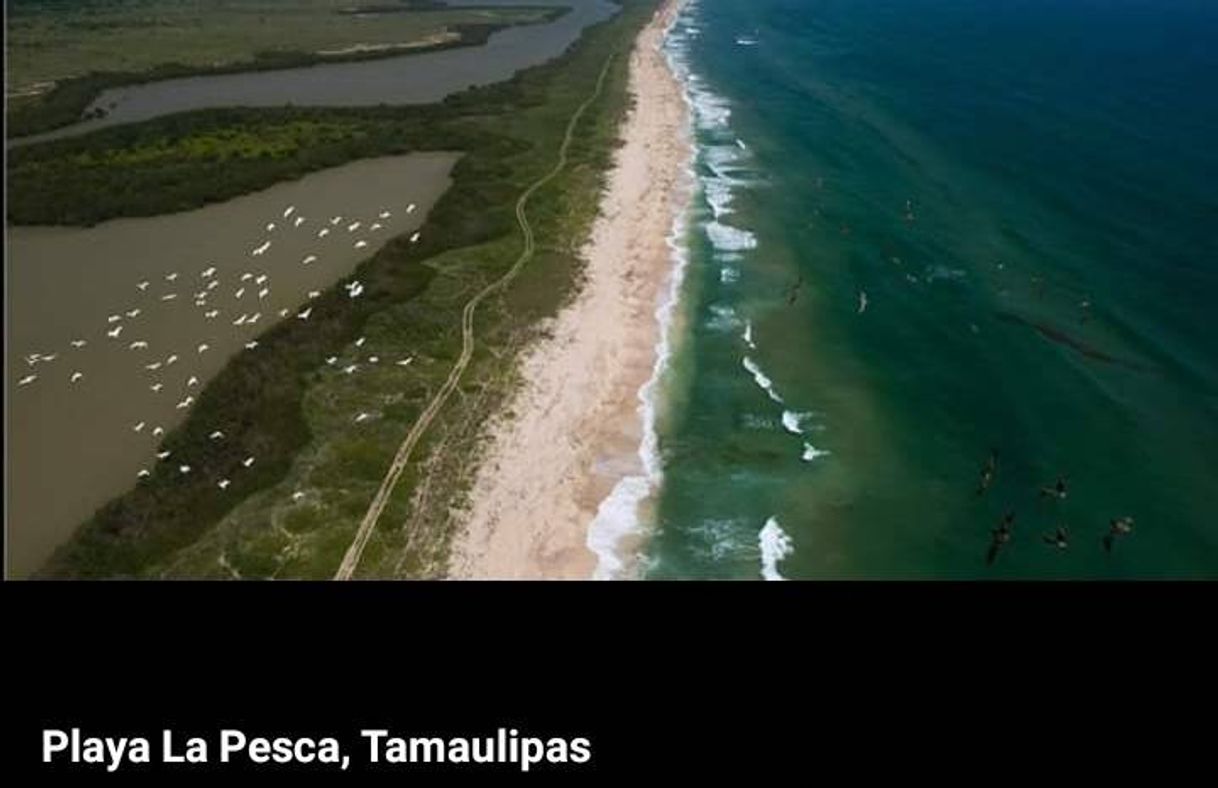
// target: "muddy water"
[[409, 79], [74, 445]]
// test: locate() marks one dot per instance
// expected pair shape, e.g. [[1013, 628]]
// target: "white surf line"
[[618, 514], [775, 545]]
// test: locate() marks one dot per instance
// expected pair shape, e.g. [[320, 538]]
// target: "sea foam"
[[762, 380], [775, 545], [812, 453], [726, 238], [793, 422], [618, 514]]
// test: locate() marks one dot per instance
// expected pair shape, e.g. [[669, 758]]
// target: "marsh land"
[[322, 437]]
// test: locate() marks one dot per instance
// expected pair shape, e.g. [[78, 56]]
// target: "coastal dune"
[[573, 430]]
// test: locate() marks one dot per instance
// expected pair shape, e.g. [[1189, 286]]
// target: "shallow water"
[[409, 79], [1026, 199], [72, 446]]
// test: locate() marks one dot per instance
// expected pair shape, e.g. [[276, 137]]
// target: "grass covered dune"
[[283, 403]]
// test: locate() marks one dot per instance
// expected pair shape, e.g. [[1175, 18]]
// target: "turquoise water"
[[1027, 195]]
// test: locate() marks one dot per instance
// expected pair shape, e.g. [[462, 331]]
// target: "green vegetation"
[[61, 56], [290, 409]]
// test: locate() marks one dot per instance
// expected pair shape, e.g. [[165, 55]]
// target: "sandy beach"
[[574, 428]]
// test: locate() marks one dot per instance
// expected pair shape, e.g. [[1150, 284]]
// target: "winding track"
[[351, 560]]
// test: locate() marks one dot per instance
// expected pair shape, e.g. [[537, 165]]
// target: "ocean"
[[929, 237]]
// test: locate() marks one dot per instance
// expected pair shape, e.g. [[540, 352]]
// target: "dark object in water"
[[1059, 539], [988, 472], [1056, 490], [1000, 536], [1121, 526], [793, 293], [1062, 338]]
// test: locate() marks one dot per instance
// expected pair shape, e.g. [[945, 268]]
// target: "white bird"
[[133, 313], [192, 381], [185, 403], [143, 473], [323, 232], [169, 296], [331, 360], [410, 208], [241, 320], [240, 292], [211, 314], [405, 362], [184, 468], [288, 211], [201, 295], [414, 238], [299, 221], [75, 377], [356, 291], [308, 259], [284, 312], [361, 417], [304, 313], [142, 285], [383, 215], [261, 249], [270, 226], [862, 301], [336, 220], [213, 284], [208, 272], [170, 360], [171, 277], [138, 427], [50, 357], [78, 343], [373, 359], [360, 244], [223, 484], [353, 227], [251, 345], [114, 318], [204, 347], [248, 461], [375, 226], [217, 435], [162, 455], [114, 334], [254, 318], [263, 293], [314, 293], [245, 277], [154, 366], [156, 387], [296, 496], [158, 432], [138, 344], [350, 369], [260, 280], [360, 342]]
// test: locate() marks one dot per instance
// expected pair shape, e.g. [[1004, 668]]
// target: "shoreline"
[[572, 434]]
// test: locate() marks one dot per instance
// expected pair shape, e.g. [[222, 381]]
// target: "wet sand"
[[575, 428], [73, 445]]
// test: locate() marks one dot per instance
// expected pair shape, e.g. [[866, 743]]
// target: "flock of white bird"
[[257, 286]]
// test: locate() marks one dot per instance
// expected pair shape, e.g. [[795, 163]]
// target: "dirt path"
[[351, 560]]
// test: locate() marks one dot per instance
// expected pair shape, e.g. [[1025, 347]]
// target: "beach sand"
[[574, 428]]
